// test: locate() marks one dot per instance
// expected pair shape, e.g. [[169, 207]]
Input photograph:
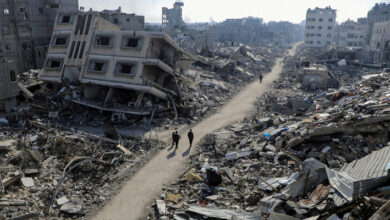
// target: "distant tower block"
[[173, 18]]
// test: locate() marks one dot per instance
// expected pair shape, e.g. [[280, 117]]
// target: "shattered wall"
[[8, 86], [379, 13], [27, 28], [380, 42], [173, 18], [128, 22]]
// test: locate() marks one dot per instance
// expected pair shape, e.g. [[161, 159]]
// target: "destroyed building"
[[379, 13], [320, 27], [136, 69], [26, 29], [380, 42], [173, 18], [318, 77], [125, 21], [244, 30], [8, 86], [352, 34]]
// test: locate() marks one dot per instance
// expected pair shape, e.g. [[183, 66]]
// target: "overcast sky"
[[218, 10]]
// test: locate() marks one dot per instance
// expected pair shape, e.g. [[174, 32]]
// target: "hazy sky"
[[218, 10]]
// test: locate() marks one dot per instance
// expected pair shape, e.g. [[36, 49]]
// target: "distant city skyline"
[[219, 10]]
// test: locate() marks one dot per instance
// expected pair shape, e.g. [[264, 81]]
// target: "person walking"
[[173, 139], [190, 137], [261, 77], [177, 138]]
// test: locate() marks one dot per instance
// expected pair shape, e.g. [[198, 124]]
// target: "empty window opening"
[[41, 10], [103, 40], [125, 68], [61, 41], [116, 21], [97, 66], [21, 10], [54, 64], [12, 76], [8, 47], [65, 19], [132, 42]]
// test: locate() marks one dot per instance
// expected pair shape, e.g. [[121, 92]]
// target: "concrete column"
[[109, 95], [139, 100]]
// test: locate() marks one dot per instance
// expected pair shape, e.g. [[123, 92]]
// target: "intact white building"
[[320, 27], [352, 34]]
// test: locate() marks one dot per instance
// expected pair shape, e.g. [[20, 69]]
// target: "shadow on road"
[[170, 148], [186, 153], [171, 154]]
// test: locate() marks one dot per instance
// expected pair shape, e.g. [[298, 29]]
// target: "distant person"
[[173, 139], [261, 78], [190, 137], [177, 138]]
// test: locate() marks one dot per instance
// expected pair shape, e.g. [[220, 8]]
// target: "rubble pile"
[[214, 79], [320, 155], [47, 170]]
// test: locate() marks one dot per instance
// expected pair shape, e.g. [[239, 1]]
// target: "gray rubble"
[[316, 155]]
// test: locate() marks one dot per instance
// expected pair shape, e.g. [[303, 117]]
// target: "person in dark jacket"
[[261, 78], [190, 137], [173, 139], [177, 138]]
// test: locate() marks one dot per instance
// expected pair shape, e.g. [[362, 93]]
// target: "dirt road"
[[135, 198]]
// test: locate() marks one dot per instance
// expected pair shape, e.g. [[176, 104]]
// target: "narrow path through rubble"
[[135, 198]]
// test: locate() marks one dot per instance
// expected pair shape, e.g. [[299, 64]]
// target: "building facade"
[[320, 27], [8, 86], [173, 18], [26, 29], [379, 13], [380, 42], [352, 34], [133, 67]]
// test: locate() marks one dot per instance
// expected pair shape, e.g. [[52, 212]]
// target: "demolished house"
[[318, 78], [8, 86], [129, 72]]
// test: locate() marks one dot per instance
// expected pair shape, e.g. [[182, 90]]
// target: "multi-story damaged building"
[[26, 29], [135, 70], [173, 18], [380, 42], [320, 27], [352, 34], [8, 86], [379, 13]]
